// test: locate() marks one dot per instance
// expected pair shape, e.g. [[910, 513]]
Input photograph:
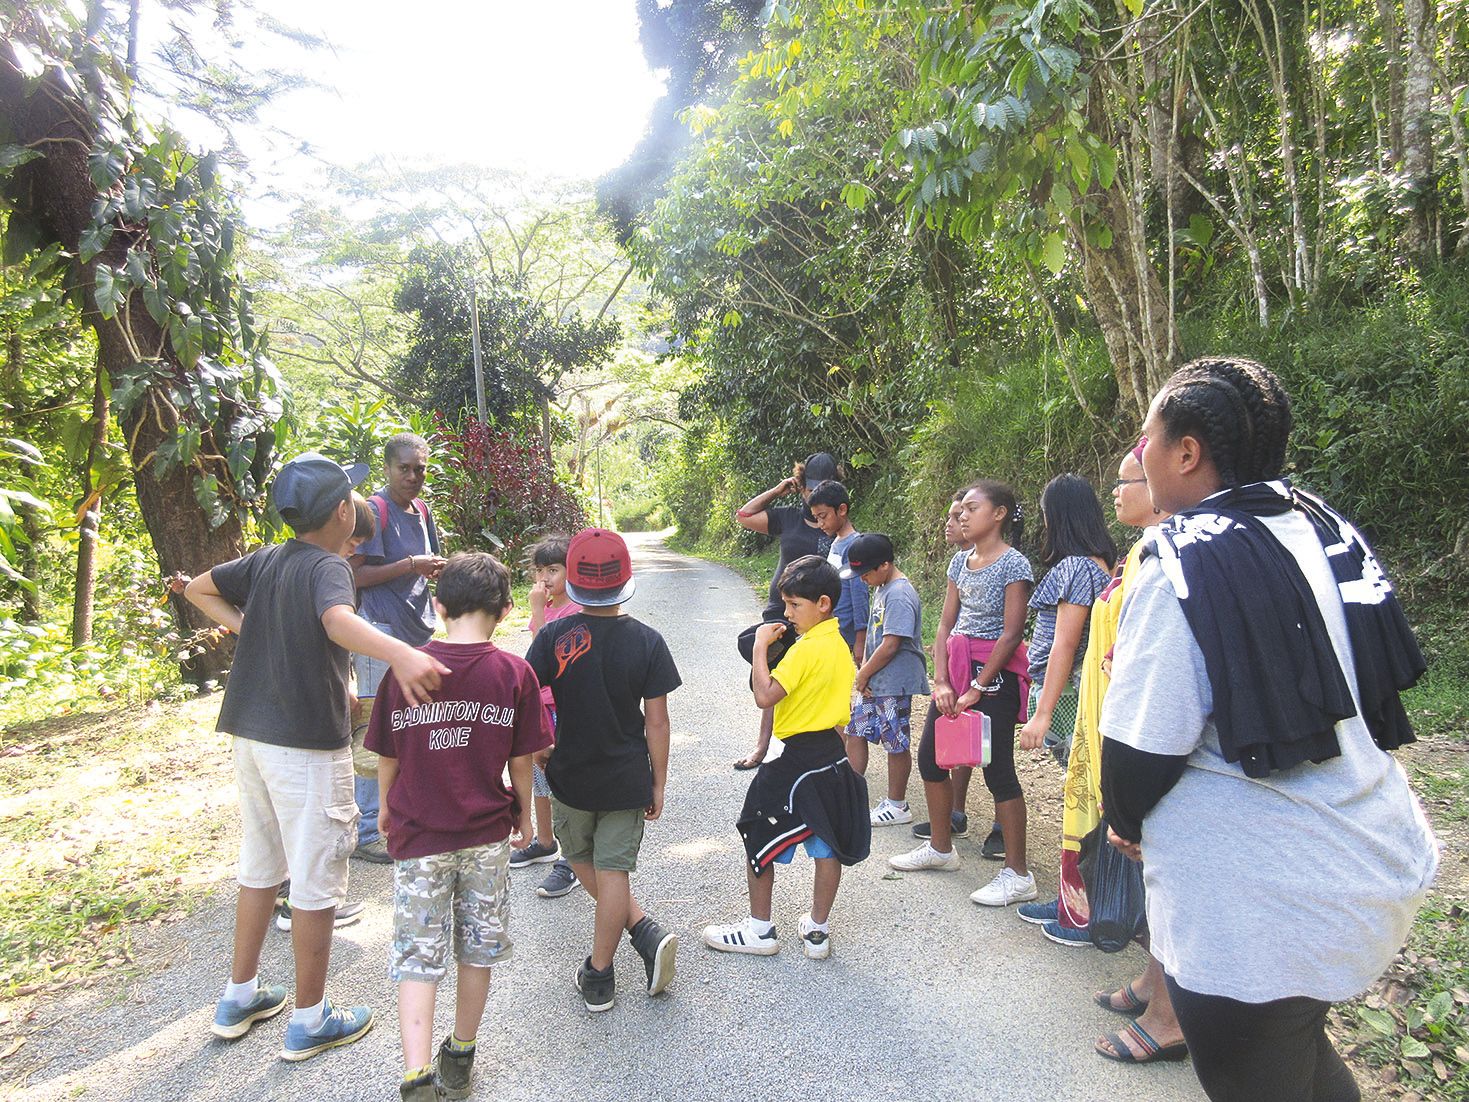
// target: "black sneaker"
[[418, 1089], [598, 989], [347, 914], [453, 1069], [958, 826], [994, 845], [658, 950]]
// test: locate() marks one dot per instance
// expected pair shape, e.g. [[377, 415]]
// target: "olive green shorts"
[[609, 840]]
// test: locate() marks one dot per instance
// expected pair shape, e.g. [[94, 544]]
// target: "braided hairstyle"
[[1001, 495], [1237, 408]]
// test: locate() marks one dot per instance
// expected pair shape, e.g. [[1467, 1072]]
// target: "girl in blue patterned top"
[[1079, 554]]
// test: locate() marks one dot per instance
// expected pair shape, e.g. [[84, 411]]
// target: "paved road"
[[925, 996]]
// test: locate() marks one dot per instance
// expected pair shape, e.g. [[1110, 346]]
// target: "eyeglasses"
[[1121, 482]]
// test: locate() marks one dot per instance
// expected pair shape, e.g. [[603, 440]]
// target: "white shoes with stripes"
[[740, 937]]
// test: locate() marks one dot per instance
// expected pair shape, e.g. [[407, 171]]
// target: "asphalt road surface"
[[925, 996]]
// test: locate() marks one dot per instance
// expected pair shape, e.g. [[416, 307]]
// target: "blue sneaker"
[[340, 1027], [1040, 913], [1065, 935], [232, 1020]]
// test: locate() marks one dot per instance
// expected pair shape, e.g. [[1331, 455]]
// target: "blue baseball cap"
[[309, 487]]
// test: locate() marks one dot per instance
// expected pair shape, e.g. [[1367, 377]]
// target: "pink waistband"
[[965, 650]]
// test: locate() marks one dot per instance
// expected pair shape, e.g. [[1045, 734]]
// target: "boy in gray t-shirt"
[[893, 673]]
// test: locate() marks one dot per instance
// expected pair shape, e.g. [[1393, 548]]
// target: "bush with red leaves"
[[498, 492]]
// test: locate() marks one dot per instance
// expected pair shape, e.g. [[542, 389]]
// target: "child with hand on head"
[[829, 504], [548, 601], [449, 820], [810, 793], [611, 676], [892, 673]]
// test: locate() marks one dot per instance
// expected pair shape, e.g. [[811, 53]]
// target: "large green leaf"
[[94, 239]]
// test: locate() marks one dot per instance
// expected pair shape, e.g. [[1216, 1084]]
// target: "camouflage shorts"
[[469, 890]]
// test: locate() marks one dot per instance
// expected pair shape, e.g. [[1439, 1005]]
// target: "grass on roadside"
[[110, 820]]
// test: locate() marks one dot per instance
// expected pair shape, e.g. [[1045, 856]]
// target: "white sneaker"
[[1006, 888], [815, 943], [740, 937], [890, 813], [926, 857]]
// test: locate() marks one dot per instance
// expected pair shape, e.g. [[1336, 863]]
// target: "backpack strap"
[[428, 524], [426, 518], [381, 506]]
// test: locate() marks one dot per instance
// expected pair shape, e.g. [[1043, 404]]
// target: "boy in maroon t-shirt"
[[449, 820]]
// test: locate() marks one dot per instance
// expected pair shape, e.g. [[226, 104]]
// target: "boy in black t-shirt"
[[293, 606], [611, 677]]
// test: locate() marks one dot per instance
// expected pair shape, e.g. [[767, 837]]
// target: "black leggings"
[[1243, 1052], [1003, 708]]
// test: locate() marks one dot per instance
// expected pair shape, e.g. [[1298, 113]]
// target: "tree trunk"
[[1393, 52], [83, 597], [1129, 303], [1421, 240], [58, 195]]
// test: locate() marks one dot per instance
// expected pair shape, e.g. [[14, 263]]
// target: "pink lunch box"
[[963, 739]]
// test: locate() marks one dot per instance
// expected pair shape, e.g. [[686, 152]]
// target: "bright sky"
[[549, 86]]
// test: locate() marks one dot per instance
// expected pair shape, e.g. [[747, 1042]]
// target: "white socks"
[[241, 993], [762, 927], [814, 925], [309, 1016]]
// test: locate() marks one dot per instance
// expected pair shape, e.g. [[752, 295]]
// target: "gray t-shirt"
[[896, 610], [982, 592], [403, 605], [1075, 580], [288, 686], [1304, 882]]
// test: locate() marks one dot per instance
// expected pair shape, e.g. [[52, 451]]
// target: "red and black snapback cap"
[[598, 569]]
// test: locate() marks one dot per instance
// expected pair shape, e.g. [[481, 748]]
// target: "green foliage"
[[698, 491], [134, 655], [1380, 390], [1012, 416], [1416, 1021], [520, 339]]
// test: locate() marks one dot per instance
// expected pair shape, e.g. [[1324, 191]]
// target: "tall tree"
[[145, 231]]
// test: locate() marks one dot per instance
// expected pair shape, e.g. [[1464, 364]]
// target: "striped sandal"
[[1133, 1006], [1152, 1051]]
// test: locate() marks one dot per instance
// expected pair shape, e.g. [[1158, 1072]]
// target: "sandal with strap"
[[1132, 1007], [1152, 1051]]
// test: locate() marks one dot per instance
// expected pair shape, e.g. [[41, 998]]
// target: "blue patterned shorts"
[[883, 720]]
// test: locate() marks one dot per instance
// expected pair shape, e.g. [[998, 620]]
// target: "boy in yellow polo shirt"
[[809, 794]]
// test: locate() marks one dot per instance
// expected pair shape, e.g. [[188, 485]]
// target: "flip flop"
[[1133, 1007], [1152, 1051]]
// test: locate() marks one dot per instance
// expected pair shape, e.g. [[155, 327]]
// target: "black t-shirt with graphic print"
[[600, 670]]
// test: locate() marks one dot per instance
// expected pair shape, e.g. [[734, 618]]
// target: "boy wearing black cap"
[[610, 676], [293, 607], [893, 671]]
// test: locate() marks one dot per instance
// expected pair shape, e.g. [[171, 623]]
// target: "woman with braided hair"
[[1254, 694]]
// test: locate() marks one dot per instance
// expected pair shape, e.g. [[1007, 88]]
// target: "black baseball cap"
[[867, 552], [820, 467], [309, 487]]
